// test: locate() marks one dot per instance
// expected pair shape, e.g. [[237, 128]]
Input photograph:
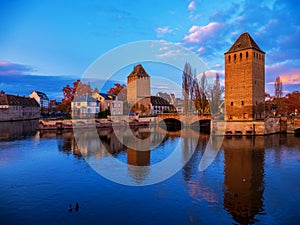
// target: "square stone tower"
[[138, 90], [244, 80]]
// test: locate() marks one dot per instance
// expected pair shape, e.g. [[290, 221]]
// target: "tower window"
[[241, 55], [246, 55], [234, 57], [229, 58], [231, 103], [242, 103]]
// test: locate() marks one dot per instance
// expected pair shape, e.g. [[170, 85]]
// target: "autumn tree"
[[290, 103], [187, 82], [204, 104], [215, 94], [118, 89], [70, 93]]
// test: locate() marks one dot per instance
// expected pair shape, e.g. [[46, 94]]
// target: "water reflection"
[[10, 131], [244, 177]]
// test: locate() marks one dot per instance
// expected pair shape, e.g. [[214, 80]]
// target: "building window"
[[246, 55], [231, 103], [229, 58], [242, 102], [241, 55], [78, 103], [234, 57]]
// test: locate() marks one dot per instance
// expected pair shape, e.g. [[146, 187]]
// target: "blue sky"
[[54, 42]]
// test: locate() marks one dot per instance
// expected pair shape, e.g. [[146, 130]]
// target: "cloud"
[[198, 34], [201, 50], [192, 6], [9, 68], [161, 31], [291, 77]]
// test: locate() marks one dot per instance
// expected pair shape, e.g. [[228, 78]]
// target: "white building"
[[85, 106], [41, 98], [160, 105]]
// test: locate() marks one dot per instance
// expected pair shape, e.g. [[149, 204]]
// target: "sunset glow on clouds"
[[198, 34], [34, 41]]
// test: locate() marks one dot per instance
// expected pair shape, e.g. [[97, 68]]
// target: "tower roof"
[[245, 41], [138, 71]]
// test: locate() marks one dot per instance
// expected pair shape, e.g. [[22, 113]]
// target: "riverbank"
[[86, 123]]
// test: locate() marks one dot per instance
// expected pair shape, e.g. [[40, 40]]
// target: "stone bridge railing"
[[186, 119]]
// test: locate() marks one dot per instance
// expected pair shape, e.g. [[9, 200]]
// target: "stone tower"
[[244, 80], [138, 90]]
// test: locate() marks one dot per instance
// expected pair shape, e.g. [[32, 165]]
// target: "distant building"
[[138, 91], [85, 106], [160, 105], [114, 102], [41, 98], [13, 107], [53, 106], [169, 97], [179, 105], [244, 80]]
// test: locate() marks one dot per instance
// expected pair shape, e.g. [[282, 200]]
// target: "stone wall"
[[254, 127], [13, 113]]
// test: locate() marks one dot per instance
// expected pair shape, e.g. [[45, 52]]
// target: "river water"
[[252, 180]]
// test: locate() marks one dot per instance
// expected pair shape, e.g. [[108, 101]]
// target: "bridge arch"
[[297, 132], [185, 119], [171, 124], [201, 125]]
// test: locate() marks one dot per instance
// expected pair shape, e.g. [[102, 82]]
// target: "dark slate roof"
[[138, 71], [85, 98], [245, 41], [15, 100], [159, 101], [42, 95], [106, 96]]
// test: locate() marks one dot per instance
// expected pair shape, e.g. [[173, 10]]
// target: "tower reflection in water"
[[244, 177]]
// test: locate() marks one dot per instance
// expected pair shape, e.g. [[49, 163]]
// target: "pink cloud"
[[201, 50], [198, 34], [192, 6], [291, 77], [161, 31]]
